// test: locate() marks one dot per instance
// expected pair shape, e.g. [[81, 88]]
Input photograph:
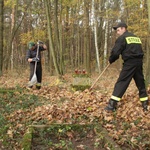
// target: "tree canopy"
[[79, 32]]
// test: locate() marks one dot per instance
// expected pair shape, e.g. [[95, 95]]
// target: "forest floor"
[[57, 103]]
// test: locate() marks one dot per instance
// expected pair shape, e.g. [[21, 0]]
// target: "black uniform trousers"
[[38, 71], [130, 70]]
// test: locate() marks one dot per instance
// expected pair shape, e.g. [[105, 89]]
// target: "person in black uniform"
[[32, 57], [129, 47]]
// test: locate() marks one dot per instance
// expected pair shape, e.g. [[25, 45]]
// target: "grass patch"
[[13, 100], [70, 137]]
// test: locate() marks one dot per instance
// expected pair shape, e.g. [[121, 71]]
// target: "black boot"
[[112, 105], [38, 87], [145, 105]]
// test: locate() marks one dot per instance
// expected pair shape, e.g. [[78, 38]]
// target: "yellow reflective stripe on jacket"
[[133, 40], [143, 99], [115, 98]]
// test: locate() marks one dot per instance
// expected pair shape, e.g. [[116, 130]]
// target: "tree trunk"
[[86, 37], [1, 35], [106, 39], [58, 43], [9, 57], [148, 47], [95, 35], [61, 44], [51, 43], [12, 44]]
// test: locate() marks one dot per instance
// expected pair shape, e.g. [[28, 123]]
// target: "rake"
[[99, 76]]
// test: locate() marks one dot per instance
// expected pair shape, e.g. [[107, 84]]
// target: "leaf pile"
[[129, 126]]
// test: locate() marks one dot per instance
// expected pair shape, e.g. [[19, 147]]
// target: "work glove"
[[40, 43], [35, 59]]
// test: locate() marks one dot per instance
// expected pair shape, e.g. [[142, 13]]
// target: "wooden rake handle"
[[99, 76]]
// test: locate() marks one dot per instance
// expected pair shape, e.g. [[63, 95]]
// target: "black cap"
[[120, 24]]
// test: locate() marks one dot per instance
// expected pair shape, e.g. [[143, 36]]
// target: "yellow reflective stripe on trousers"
[[143, 99], [38, 84], [115, 98]]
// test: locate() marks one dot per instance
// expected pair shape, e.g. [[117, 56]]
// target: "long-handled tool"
[[34, 77], [99, 76]]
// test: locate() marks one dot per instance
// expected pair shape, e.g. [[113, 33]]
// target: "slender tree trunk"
[[12, 44], [106, 39], [86, 37], [1, 35], [9, 60], [60, 42], [51, 43], [78, 52], [57, 36], [148, 47], [95, 35]]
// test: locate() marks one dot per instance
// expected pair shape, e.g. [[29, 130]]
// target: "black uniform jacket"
[[32, 53], [128, 46]]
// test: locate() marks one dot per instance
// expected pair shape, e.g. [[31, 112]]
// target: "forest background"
[[79, 35]]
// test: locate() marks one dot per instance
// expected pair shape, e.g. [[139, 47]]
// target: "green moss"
[[27, 139], [80, 87], [71, 136]]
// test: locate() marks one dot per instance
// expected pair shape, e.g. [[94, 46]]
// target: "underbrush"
[[14, 100], [21, 109]]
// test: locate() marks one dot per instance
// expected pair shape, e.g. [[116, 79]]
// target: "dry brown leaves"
[[63, 105]]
